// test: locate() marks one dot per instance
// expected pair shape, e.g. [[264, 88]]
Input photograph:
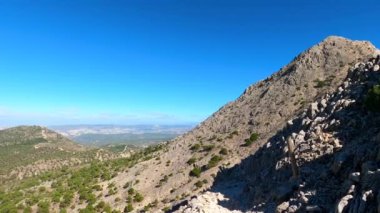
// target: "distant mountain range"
[[116, 134]]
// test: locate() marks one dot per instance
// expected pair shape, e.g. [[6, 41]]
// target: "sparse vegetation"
[[162, 181], [232, 134], [67, 182], [253, 138], [323, 83], [166, 209], [128, 208], [372, 99], [195, 147], [138, 197], [131, 191], [126, 185], [191, 161], [196, 172], [208, 148], [214, 161], [199, 183], [223, 151]]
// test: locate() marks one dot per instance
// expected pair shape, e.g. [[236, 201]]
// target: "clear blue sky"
[[157, 61]]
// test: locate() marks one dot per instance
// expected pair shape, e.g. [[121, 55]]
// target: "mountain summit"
[[325, 158], [258, 114]]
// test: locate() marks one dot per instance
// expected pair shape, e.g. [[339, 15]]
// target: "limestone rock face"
[[335, 136]]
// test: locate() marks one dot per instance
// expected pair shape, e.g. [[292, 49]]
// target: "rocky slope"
[[263, 109], [337, 150]]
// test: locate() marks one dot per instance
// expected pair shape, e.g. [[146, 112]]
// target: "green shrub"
[[67, 198], [196, 172], [191, 161], [126, 185], [28, 209], [372, 99], [322, 83], [253, 138], [88, 209], [131, 191], [42, 189], [107, 209], [97, 188], [214, 161], [43, 207], [101, 205], [198, 184], [138, 197], [223, 151], [20, 206], [208, 148], [247, 142], [166, 209], [56, 196], [111, 185], [128, 208], [195, 147]]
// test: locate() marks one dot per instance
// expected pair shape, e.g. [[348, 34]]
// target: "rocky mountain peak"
[[263, 109], [315, 70], [325, 159]]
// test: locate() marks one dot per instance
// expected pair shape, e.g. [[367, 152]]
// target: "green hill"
[[29, 150]]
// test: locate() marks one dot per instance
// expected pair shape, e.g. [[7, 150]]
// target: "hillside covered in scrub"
[[27, 151], [304, 139]]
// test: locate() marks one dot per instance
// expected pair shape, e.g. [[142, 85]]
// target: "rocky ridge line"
[[337, 144]]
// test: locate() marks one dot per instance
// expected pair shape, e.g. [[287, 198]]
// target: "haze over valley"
[[139, 135]]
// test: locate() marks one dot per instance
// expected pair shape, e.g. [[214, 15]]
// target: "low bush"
[[253, 138], [214, 161], [196, 172], [128, 208], [198, 184], [191, 161], [208, 148], [223, 151], [138, 197], [131, 191], [195, 147], [372, 99]]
